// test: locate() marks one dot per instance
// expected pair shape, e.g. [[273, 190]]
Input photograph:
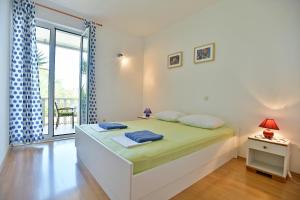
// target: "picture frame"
[[175, 60], [204, 53]]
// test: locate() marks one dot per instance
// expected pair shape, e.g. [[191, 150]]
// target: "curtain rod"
[[62, 12]]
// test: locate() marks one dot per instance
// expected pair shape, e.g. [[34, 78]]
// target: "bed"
[[158, 170]]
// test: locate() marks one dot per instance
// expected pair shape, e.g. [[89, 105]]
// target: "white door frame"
[[51, 86]]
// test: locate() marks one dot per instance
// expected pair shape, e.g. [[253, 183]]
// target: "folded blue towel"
[[143, 136], [112, 125]]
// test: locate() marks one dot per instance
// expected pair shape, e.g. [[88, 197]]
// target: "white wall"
[[4, 80], [256, 73], [118, 86], [47, 15]]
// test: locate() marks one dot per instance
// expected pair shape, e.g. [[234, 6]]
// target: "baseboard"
[[295, 174], [241, 158], [5, 158]]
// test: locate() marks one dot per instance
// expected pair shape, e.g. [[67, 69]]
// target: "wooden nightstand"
[[269, 156]]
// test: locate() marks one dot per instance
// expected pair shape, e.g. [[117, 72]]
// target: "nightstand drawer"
[[268, 147]]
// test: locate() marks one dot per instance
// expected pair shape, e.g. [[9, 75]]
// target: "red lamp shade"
[[269, 124]]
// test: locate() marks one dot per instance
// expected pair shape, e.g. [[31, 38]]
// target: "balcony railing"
[[61, 102]]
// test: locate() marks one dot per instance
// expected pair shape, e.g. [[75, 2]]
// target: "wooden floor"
[[50, 171]]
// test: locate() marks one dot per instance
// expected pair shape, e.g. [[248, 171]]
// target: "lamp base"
[[268, 134]]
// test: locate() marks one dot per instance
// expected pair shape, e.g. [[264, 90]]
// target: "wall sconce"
[[120, 55], [124, 60]]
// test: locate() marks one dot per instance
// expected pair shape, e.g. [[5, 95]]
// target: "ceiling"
[[138, 17]]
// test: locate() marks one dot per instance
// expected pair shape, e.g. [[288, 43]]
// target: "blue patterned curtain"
[[92, 109], [25, 101]]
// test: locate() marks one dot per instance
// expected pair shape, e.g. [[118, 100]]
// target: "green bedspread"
[[179, 140]]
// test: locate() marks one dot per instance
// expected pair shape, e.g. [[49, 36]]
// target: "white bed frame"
[[115, 174]]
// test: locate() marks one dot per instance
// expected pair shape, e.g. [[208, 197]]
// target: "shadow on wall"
[[275, 89], [281, 102]]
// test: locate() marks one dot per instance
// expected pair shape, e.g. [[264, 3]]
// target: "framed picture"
[[204, 53], [175, 60]]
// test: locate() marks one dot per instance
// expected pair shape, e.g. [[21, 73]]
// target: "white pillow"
[[171, 116], [202, 121]]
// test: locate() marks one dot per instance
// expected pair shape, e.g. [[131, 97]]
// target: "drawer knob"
[[264, 147]]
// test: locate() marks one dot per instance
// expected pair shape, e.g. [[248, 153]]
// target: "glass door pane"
[[43, 49], [84, 78], [66, 83]]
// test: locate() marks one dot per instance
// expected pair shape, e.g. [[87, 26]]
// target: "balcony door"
[[84, 77], [63, 79]]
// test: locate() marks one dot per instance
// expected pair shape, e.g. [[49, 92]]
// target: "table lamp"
[[147, 112], [269, 124]]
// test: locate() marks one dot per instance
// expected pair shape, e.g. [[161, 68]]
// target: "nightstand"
[[143, 117], [269, 156]]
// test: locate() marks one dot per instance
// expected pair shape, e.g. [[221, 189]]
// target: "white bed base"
[[115, 174]]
